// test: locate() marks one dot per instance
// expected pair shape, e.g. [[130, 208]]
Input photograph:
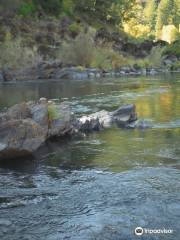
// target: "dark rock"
[[124, 115], [70, 73], [169, 60], [1, 76], [141, 124], [20, 138]]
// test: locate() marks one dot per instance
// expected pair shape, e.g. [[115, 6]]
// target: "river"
[[101, 186]]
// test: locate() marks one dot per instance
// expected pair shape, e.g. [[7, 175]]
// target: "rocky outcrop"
[[55, 72], [26, 126], [123, 116]]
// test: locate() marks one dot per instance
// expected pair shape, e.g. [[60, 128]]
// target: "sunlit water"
[[106, 184]]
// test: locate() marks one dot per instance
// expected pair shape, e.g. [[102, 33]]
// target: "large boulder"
[[26, 126], [20, 138]]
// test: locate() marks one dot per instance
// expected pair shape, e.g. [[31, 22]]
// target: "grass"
[[15, 55], [82, 51], [152, 60]]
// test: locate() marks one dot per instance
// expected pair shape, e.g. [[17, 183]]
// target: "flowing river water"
[[104, 185]]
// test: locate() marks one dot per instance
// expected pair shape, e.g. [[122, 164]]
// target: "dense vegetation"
[[137, 20]]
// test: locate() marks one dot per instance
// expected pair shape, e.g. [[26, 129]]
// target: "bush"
[[101, 59], [82, 51], [15, 55], [68, 7], [27, 9], [53, 7], [53, 113], [175, 66], [172, 49], [79, 51], [153, 60]]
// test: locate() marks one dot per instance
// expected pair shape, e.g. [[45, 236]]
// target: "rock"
[[87, 124], [20, 138], [169, 60], [63, 123], [69, 73], [76, 73], [26, 126], [141, 124], [40, 115], [1, 76], [123, 116], [19, 111], [43, 100]]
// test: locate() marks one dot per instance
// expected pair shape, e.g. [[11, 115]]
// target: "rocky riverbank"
[[55, 71], [27, 126]]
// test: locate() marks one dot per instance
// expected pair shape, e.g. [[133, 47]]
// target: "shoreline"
[[49, 72]]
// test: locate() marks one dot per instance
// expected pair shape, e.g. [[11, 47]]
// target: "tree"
[[112, 10], [150, 13], [168, 13], [53, 7]]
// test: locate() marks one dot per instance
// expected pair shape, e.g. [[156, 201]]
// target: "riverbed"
[[104, 185]]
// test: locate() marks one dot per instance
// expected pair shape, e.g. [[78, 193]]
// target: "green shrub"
[[68, 7], [175, 66], [79, 51], [15, 55], [152, 60], [53, 113], [172, 49], [82, 51], [53, 7], [27, 9]]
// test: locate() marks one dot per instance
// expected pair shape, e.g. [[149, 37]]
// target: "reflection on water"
[[103, 185]]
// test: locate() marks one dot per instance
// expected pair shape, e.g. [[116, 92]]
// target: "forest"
[[114, 33]]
